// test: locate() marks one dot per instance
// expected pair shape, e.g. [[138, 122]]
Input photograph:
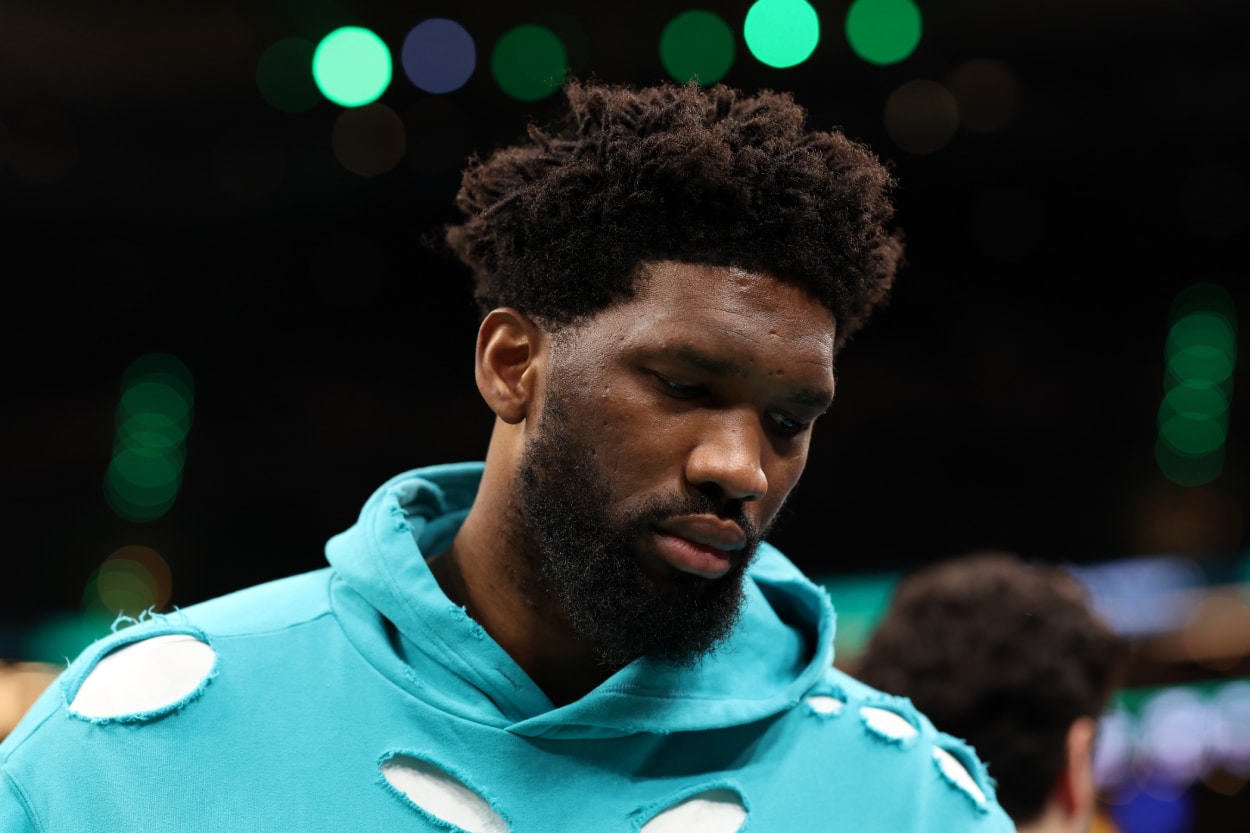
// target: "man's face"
[[673, 428]]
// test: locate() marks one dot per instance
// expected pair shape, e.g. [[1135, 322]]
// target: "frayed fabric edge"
[[648, 813], [490, 802], [71, 684]]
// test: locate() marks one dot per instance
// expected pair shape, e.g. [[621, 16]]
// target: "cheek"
[[628, 437], [783, 475]]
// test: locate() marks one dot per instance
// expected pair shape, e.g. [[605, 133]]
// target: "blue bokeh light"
[[438, 55]]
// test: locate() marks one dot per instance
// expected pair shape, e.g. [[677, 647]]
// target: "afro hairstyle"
[[562, 224]]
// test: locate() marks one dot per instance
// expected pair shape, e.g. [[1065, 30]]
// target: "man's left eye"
[[787, 425]]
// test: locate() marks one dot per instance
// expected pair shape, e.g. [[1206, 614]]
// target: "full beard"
[[584, 565]]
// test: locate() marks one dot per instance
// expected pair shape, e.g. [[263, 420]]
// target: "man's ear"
[[510, 355], [1075, 787]]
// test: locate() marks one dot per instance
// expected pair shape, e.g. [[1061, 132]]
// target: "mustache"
[[662, 507]]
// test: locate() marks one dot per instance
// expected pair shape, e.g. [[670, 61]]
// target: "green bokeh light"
[[131, 453], [144, 470], [155, 397], [529, 62], [126, 508], [1202, 328], [284, 75], [153, 416], [1188, 470], [1192, 435], [883, 31], [1201, 363], [1201, 354], [141, 485], [352, 66], [1203, 297], [697, 44], [781, 33], [156, 432], [161, 367], [1195, 400]]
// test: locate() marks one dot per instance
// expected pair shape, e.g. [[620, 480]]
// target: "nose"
[[727, 460]]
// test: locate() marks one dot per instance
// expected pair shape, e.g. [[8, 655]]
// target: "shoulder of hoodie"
[[180, 660], [889, 749], [273, 606], [267, 609], [950, 786]]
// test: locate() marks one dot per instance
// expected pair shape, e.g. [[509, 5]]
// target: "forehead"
[[722, 308]]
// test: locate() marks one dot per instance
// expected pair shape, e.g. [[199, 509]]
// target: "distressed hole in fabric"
[[713, 811], [442, 795], [145, 679], [957, 773], [825, 705], [889, 724]]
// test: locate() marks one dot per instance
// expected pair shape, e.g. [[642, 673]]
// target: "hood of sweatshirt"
[[397, 616]]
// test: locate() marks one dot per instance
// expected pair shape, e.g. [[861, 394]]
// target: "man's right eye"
[[678, 390]]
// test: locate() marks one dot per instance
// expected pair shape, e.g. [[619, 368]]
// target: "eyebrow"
[[809, 397]]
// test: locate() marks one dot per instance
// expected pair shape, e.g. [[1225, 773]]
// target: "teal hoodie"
[[357, 697]]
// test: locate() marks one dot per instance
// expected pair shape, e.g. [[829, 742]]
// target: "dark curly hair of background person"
[[1003, 654], [559, 225]]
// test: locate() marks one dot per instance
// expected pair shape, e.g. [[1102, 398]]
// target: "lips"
[[707, 531], [701, 544]]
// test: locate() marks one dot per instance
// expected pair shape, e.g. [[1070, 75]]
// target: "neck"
[[485, 571]]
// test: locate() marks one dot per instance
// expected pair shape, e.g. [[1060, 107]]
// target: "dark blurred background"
[[178, 196]]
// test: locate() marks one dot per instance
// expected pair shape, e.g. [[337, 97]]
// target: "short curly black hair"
[[560, 225], [1004, 654]]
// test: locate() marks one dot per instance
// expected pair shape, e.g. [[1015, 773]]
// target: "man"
[[1011, 657], [586, 632]]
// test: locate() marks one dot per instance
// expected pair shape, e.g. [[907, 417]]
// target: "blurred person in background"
[[1011, 657], [21, 683]]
